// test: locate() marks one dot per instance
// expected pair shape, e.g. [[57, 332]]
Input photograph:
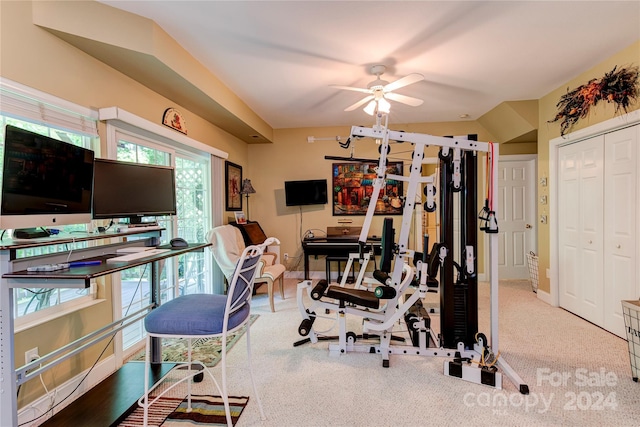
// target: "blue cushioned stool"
[[199, 316]]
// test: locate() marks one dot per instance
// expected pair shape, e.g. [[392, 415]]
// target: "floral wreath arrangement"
[[620, 87]]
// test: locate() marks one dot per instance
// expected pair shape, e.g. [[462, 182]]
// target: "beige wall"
[[549, 131], [45, 62], [291, 157], [36, 58]]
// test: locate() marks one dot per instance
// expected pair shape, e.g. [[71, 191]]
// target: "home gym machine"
[[396, 295]]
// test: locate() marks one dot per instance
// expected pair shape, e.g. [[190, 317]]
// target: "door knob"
[[528, 226], [618, 246]]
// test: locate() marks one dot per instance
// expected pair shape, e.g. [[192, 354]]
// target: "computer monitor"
[[132, 190], [45, 182]]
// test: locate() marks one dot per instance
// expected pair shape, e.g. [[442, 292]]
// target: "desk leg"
[[8, 388], [156, 343]]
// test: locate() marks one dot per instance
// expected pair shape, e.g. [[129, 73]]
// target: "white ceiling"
[[281, 57]]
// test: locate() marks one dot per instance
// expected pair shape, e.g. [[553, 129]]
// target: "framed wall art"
[[353, 187], [233, 182], [240, 218]]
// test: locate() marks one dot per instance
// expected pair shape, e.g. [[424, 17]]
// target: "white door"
[[516, 216], [620, 230], [580, 225]]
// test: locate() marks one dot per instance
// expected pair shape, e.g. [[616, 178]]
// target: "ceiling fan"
[[379, 91]]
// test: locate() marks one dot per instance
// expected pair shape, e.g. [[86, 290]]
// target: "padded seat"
[[203, 319], [354, 296]]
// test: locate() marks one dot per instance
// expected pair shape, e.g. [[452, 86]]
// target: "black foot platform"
[[109, 402]]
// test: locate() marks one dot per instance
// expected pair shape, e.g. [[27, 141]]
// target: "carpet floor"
[[578, 374]]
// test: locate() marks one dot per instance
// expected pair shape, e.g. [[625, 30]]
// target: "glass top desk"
[[14, 274]]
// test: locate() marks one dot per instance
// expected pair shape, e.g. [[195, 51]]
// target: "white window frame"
[[171, 225], [30, 105], [118, 122]]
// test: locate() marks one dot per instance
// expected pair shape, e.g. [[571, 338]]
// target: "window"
[[185, 274], [193, 220], [135, 282], [41, 113]]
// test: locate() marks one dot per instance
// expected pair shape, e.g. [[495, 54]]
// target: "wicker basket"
[[631, 312], [532, 261]]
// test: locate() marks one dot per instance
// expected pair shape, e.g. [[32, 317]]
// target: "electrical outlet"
[[31, 355], [286, 256]]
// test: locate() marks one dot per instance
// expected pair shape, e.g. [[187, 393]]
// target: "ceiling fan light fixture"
[[380, 89], [370, 109]]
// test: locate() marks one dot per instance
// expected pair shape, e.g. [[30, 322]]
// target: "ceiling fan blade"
[[359, 103], [404, 81], [414, 102], [355, 89]]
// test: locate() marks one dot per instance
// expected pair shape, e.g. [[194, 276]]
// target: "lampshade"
[[380, 105], [383, 105], [247, 188], [370, 109]]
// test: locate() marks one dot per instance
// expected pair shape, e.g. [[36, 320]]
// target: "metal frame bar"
[[29, 371], [420, 141]]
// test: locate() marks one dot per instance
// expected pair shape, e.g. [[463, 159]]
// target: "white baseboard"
[[315, 275], [300, 274], [544, 296], [482, 277], [40, 406]]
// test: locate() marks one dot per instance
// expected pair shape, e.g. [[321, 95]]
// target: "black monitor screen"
[[43, 176], [309, 192], [132, 190]]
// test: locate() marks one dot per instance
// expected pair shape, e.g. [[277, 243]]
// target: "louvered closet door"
[[580, 191], [621, 231]]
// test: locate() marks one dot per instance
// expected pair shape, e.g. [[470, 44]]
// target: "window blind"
[[31, 105]]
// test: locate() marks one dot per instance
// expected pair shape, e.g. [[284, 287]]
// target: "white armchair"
[[227, 244]]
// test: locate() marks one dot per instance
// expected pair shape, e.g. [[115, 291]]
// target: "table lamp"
[[247, 189]]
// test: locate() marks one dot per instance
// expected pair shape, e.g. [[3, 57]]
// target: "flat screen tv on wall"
[[307, 192]]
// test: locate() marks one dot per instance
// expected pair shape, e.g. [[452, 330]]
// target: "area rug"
[[172, 412], [205, 350]]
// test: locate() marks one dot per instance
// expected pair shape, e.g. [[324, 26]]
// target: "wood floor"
[[109, 402]]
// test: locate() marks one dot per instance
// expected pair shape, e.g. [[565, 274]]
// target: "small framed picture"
[[240, 219], [233, 182]]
